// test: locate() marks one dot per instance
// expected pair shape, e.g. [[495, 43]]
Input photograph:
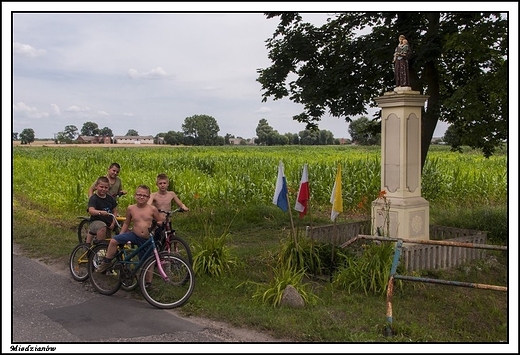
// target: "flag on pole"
[[303, 193], [336, 199], [280, 192]]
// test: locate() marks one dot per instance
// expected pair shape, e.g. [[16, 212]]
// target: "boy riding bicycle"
[[142, 215], [100, 205]]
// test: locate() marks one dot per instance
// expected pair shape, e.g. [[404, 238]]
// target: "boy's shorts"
[[131, 237], [94, 226]]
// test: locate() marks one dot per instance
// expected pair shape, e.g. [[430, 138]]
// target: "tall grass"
[[238, 176]]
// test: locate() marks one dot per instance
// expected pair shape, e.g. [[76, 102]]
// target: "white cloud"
[[263, 110], [211, 88], [77, 109], [102, 113], [23, 110], [56, 109], [157, 73], [26, 50]]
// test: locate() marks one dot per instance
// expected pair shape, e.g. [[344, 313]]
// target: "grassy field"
[[256, 230]]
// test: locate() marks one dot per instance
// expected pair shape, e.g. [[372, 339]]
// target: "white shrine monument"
[[408, 211]]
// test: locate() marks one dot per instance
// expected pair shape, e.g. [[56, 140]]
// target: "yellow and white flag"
[[336, 199]]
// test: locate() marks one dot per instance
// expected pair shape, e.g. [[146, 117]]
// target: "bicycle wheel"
[[108, 282], [180, 247], [130, 286], [129, 283], [83, 230], [78, 262], [172, 292]]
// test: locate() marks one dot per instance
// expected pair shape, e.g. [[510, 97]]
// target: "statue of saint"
[[401, 54]]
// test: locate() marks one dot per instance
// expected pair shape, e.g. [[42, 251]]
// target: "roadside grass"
[[421, 312]]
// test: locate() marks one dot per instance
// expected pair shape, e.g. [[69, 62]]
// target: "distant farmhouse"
[[241, 141], [133, 139], [115, 140], [94, 140], [235, 141]]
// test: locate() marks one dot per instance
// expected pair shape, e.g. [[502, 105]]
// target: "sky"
[[148, 72]]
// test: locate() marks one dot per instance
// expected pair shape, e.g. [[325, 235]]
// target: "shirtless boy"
[[142, 215], [163, 198]]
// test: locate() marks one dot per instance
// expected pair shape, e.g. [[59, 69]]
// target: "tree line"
[[203, 130]]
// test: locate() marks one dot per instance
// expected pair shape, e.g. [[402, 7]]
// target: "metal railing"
[[394, 276]]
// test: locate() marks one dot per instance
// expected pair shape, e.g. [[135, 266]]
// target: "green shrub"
[[284, 275], [368, 273], [211, 255]]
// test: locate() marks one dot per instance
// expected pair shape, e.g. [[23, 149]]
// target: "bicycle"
[[169, 242], [172, 278], [78, 261]]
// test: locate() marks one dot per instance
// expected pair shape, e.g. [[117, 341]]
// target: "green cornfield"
[[209, 177]]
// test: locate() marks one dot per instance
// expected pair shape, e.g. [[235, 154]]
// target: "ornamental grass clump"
[[282, 277], [211, 255], [368, 273]]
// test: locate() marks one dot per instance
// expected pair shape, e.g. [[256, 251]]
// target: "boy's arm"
[[179, 202], [157, 216], [113, 224], [92, 210], [126, 223], [150, 200], [121, 191]]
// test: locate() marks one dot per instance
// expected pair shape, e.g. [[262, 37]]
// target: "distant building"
[[437, 140], [235, 141], [133, 139], [93, 139]]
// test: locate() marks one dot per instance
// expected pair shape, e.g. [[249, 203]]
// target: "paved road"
[[50, 307]]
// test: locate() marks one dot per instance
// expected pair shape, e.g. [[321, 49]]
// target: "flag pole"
[[334, 237], [292, 223], [310, 216], [337, 206]]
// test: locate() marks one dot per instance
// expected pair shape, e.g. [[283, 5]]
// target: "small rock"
[[292, 298]]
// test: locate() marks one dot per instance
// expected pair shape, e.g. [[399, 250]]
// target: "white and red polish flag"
[[303, 193]]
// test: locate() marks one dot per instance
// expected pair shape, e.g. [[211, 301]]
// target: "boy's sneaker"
[[103, 266]]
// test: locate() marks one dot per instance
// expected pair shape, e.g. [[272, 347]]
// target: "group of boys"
[[102, 204]]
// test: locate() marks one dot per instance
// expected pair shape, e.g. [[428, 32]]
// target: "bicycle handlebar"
[[115, 219], [169, 213]]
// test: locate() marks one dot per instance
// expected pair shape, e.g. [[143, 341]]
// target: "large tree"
[[267, 135], [106, 132], [201, 130], [70, 132], [27, 136], [363, 132], [90, 129], [458, 59]]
